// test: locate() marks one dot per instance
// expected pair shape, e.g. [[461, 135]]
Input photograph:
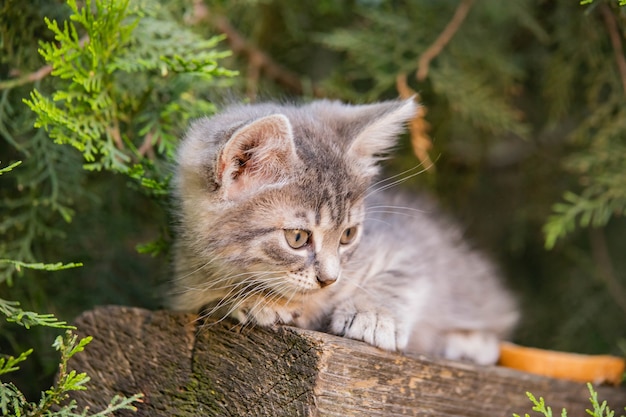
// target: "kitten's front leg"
[[265, 315], [481, 347], [361, 319]]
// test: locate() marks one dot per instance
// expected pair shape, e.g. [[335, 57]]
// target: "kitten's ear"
[[257, 155], [379, 135]]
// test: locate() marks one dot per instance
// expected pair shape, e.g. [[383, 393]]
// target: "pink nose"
[[325, 280]]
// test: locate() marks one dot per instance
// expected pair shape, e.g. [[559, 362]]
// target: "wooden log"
[[223, 369]]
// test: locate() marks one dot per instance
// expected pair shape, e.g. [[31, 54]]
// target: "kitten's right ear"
[[256, 155], [385, 121]]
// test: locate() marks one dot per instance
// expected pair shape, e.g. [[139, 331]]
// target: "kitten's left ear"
[[259, 154], [380, 135]]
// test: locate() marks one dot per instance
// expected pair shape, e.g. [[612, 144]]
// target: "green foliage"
[[470, 75], [156, 187], [594, 207], [599, 137], [10, 167], [40, 266], [620, 2], [53, 401], [598, 409], [128, 78], [101, 112], [13, 402], [14, 314], [540, 407], [9, 363], [21, 28], [43, 190], [121, 83]]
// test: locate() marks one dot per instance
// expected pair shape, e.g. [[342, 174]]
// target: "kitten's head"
[[271, 196]]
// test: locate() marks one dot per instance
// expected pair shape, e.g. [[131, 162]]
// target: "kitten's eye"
[[297, 238], [348, 235]]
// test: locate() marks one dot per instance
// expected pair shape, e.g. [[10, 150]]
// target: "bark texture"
[[221, 369]]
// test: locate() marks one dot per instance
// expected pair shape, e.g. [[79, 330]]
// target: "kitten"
[[280, 224]]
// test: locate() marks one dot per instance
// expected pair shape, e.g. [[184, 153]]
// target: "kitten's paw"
[[480, 347], [265, 316], [374, 327]]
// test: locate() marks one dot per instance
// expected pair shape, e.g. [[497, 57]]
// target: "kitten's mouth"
[[289, 290], [295, 294]]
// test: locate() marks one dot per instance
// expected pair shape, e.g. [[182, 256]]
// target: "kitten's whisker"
[[237, 304], [396, 182], [361, 287], [268, 295], [379, 220], [242, 291], [397, 207], [352, 270], [201, 267], [294, 291], [232, 303], [231, 279], [384, 180], [250, 283], [212, 285], [261, 299], [374, 189], [224, 300], [259, 304], [411, 215]]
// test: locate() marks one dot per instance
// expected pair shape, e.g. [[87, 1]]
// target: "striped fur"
[[373, 265]]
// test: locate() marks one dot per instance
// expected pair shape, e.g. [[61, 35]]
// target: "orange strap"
[[575, 367]]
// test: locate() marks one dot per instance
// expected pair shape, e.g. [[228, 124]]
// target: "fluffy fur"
[[280, 223]]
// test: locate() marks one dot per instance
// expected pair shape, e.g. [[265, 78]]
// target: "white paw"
[[479, 347], [374, 327], [264, 316]]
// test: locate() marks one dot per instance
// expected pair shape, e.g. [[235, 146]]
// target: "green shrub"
[[120, 82], [597, 409]]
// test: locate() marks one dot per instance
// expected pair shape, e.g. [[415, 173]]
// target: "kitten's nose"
[[325, 280], [327, 269]]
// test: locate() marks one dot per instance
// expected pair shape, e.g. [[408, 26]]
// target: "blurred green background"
[[526, 102]]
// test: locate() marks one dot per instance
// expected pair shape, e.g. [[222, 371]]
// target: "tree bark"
[[187, 368]]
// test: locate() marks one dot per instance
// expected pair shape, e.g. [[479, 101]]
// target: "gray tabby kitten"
[[280, 223]]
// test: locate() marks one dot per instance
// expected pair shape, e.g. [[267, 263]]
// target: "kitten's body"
[[254, 181]]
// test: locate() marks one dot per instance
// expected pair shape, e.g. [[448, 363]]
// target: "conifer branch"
[[146, 147], [115, 133], [258, 60], [443, 39], [32, 77], [616, 41]]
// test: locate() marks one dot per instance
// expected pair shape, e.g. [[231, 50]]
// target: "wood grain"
[[222, 369]]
